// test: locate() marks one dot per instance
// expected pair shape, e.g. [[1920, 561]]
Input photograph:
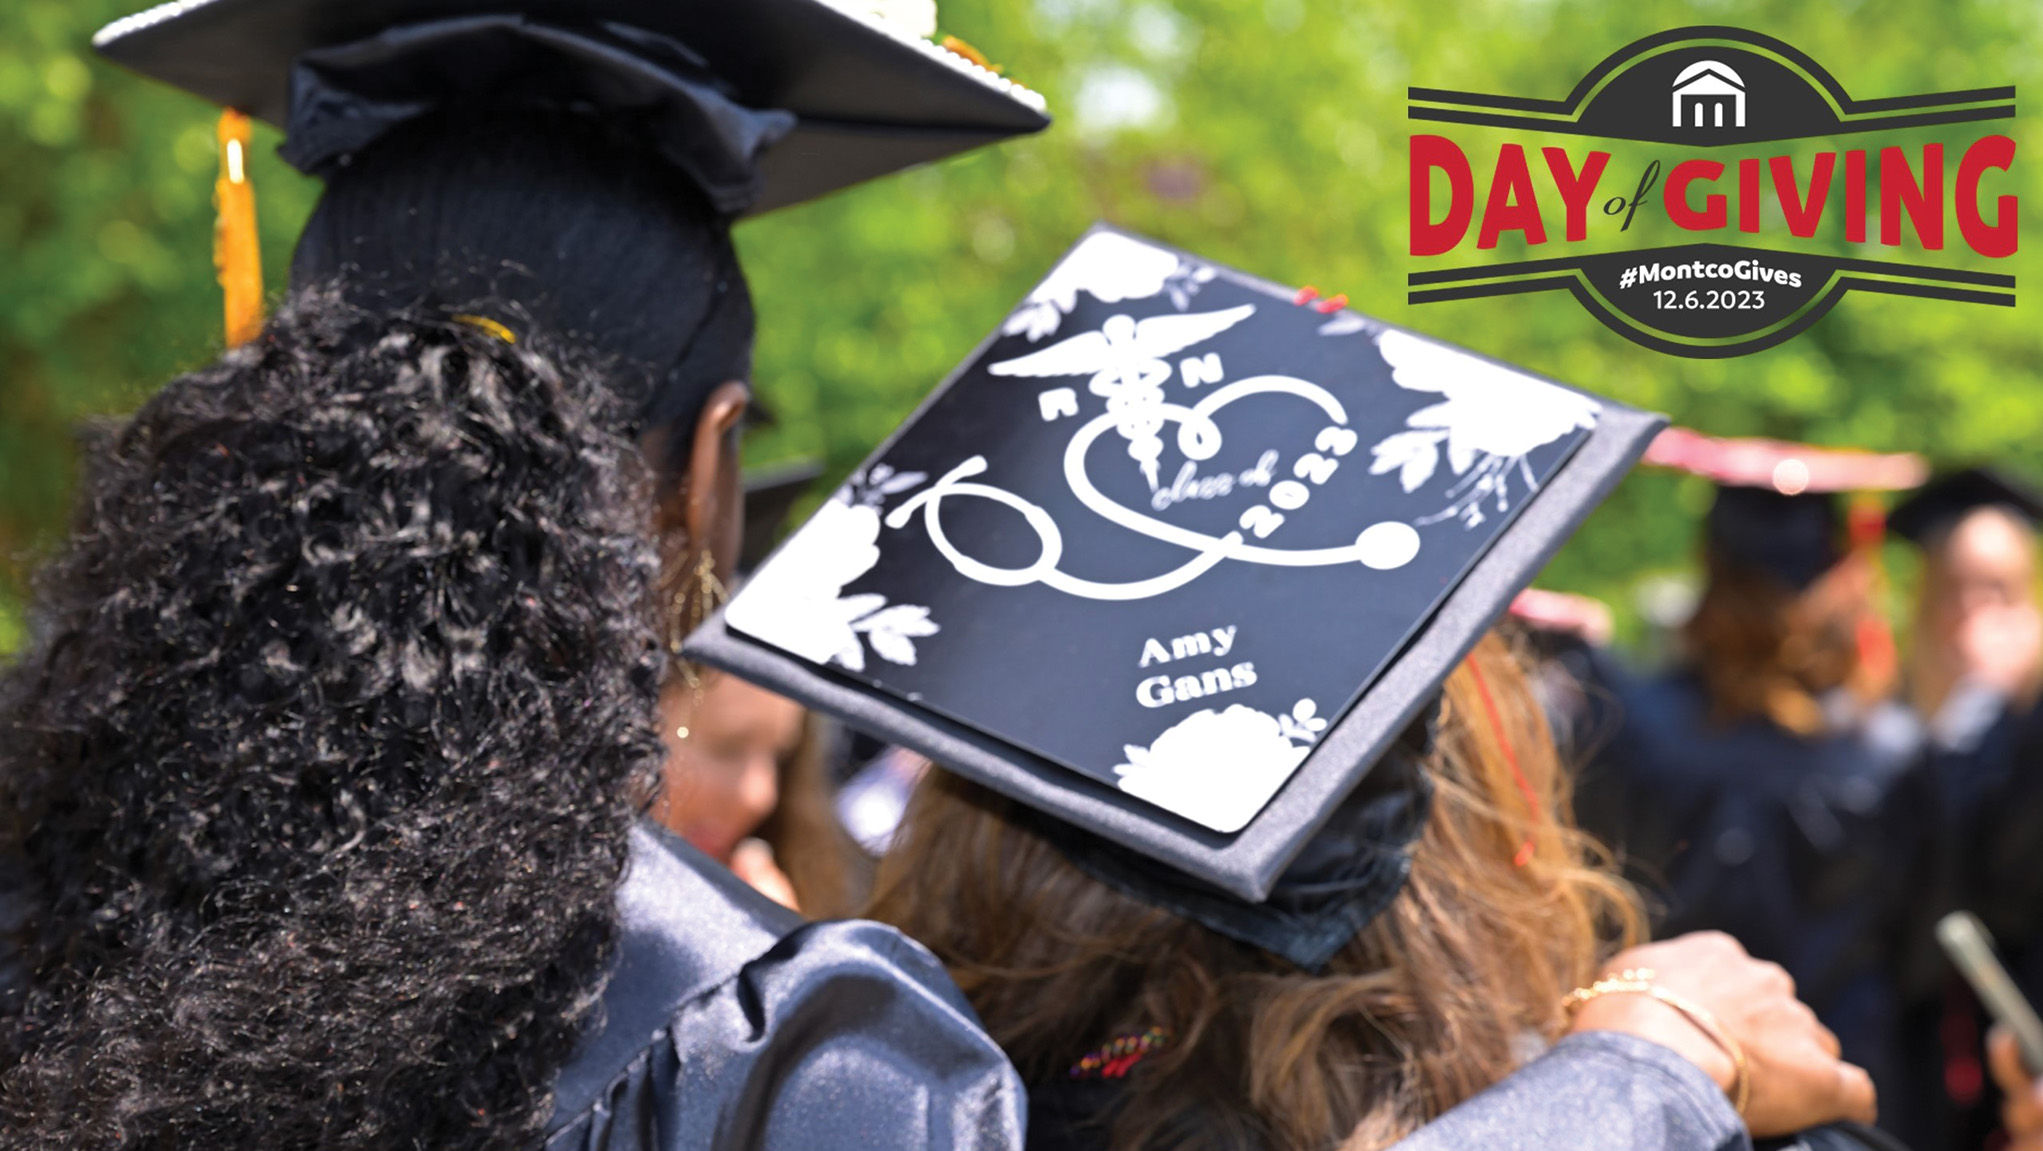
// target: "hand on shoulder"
[[1793, 1075]]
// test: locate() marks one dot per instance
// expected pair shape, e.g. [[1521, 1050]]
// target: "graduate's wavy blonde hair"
[[1429, 1004]]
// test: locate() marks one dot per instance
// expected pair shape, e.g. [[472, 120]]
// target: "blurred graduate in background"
[[1975, 658], [1970, 682], [1762, 786]]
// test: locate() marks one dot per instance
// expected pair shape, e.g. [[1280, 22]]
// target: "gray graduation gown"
[[730, 1023]]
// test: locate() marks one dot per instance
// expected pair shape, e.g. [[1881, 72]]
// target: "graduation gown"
[[1993, 850], [1811, 851], [1596, 1091], [731, 1023]]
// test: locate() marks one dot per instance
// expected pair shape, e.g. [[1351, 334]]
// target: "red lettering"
[[1803, 215], [1924, 202], [1855, 196], [1428, 154], [1576, 191], [2002, 236], [1512, 206], [1714, 212], [1748, 195]]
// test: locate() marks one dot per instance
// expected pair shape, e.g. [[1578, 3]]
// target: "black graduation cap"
[[765, 102], [1949, 497], [770, 494], [1175, 562], [1794, 538], [1776, 503]]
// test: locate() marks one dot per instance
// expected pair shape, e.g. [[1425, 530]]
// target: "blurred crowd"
[[1791, 779]]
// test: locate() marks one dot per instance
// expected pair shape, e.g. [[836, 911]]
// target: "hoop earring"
[[686, 612]]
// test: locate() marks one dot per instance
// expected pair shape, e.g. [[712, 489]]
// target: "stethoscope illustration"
[[1382, 546]]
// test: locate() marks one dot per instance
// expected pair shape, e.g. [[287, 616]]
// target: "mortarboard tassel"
[[958, 47], [237, 254], [1526, 849]]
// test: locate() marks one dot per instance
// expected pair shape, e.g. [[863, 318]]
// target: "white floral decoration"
[[1491, 419], [1218, 768], [1344, 324], [1111, 267], [1303, 723], [797, 601]]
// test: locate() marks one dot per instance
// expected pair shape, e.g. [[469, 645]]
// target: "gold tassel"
[[958, 47], [237, 253]]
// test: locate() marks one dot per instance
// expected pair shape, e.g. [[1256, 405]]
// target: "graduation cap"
[[770, 494], [1776, 503], [1950, 497], [1181, 566], [766, 103]]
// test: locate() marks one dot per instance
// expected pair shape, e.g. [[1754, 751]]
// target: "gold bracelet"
[[1639, 981]]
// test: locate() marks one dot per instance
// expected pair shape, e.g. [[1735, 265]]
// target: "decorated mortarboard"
[[1950, 497], [766, 103], [1175, 559], [1776, 503], [770, 495]]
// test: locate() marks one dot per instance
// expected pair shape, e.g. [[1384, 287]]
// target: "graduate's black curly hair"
[[317, 784]]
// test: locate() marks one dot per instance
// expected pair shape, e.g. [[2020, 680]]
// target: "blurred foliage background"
[[1268, 134]]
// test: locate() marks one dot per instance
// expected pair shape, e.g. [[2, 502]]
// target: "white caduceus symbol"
[[1125, 360]]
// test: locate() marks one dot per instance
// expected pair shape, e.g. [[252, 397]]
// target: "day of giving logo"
[[1739, 128]]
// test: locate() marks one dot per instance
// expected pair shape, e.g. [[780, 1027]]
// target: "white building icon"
[[1703, 91]]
